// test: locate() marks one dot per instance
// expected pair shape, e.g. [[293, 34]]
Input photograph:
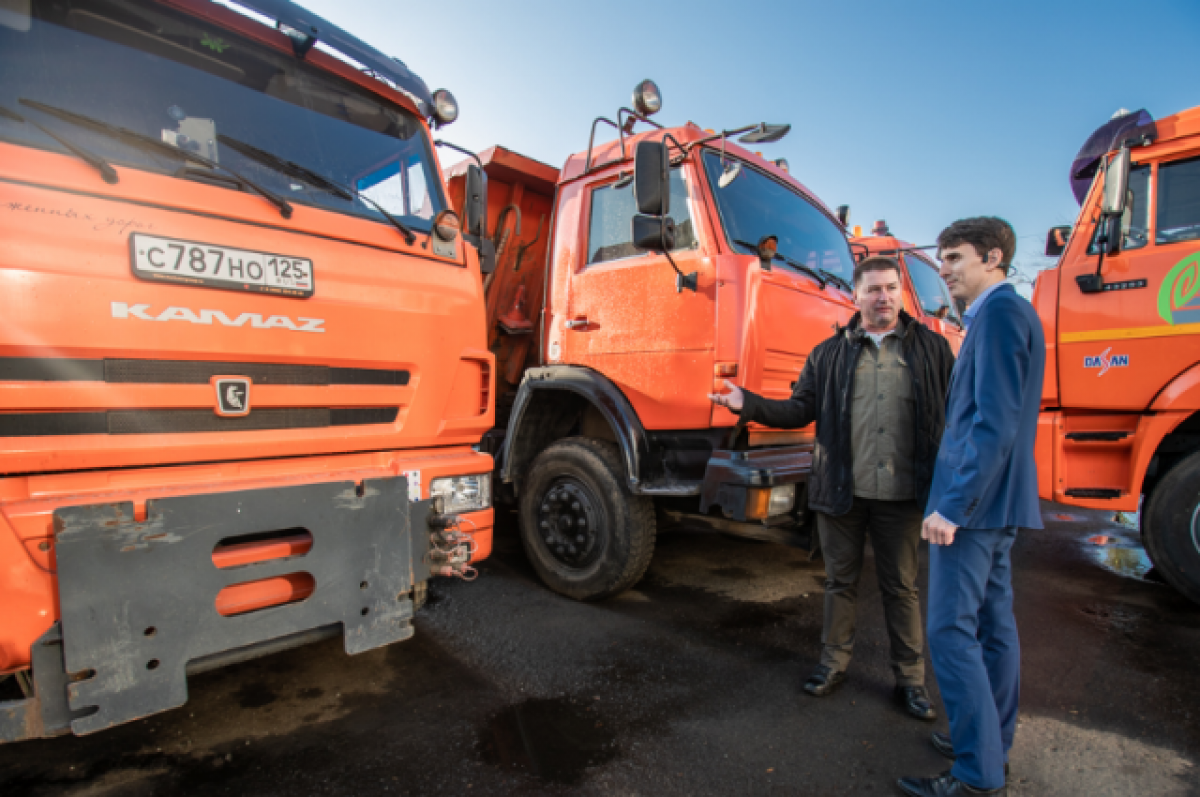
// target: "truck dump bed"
[[520, 211]]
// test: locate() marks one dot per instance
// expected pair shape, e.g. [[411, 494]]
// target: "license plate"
[[208, 265]]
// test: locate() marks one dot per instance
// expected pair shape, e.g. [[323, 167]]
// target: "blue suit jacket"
[[985, 476]]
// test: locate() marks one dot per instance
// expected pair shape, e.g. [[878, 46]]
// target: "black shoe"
[[824, 681], [941, 742], [915, 700], [944, 785]]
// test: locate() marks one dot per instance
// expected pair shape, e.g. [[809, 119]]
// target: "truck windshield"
[[754, 205], [145, 67], [931, 290]]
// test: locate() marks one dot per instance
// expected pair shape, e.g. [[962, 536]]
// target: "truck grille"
[[114, 422], [188, 372]]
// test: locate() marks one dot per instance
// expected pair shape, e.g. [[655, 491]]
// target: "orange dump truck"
[[243, 361], [1120, 426], [626, 287], [926, 296]]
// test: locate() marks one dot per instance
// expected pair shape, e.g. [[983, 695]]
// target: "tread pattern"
[[640, 508]]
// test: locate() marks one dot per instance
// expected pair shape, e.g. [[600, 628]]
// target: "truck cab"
[[926, 296], [243, 361], [607, 342], [1120, 423]]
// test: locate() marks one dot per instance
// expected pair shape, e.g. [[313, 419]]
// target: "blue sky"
[[915, 112]]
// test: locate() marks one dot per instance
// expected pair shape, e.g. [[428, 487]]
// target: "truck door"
[[1117, 348], [624, 316]]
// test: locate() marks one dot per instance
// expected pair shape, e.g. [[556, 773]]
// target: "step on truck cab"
[[926, 296], [243, 363], [1120, 422], [626, 287]]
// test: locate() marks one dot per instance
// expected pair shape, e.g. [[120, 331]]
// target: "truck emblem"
[[207, 317], [233, 396], [1104, 361], [1177, 299]]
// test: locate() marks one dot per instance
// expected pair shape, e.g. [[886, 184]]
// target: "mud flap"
[[46, 713], [138, 598]]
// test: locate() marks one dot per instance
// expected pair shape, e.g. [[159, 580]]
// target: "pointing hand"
[[732, 399]]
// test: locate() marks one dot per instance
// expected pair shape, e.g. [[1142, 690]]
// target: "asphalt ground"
[[689, 684]]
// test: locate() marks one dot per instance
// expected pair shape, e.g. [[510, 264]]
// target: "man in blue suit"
[[984, 489]]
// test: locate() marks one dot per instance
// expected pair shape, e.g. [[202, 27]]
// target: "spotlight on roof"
[[445, 108], [647, 99]]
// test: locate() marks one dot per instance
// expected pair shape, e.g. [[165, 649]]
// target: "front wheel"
[[587, 537], [1171, 527]]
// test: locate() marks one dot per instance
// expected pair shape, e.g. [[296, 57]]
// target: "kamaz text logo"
[[1104, 361], [143, 311]]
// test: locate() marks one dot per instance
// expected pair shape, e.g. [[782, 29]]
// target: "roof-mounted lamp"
[[647, 99], [445, 108]]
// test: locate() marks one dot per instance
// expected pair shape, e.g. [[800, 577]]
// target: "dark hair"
[[984, 233], [876, 264]]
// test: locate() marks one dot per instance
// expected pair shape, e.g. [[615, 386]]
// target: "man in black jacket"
[[877, 391]]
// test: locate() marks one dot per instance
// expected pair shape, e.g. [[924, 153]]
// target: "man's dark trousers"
[[895, 531], [975, 650]]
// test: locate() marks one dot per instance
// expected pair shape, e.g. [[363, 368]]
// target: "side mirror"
[[656, 233], [843, 215], [765, 134], [1116, 184], [475, 202], [651, 179], [1056, 240]]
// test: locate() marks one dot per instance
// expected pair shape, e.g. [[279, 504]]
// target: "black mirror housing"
[[475, 202], [1056, 240], [651, 179], [765, 134], [655, 233]]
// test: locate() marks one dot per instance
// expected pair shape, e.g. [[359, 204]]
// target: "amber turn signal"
[[726, 369], [446, 224], [762, 503]]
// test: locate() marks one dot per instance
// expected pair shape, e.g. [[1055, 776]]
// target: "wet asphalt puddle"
[[554, 739], [1116, 546]]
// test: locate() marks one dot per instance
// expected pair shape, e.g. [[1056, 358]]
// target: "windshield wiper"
[[781, 258], [154, 145], [307, 175], [104, 167], [838, 280]]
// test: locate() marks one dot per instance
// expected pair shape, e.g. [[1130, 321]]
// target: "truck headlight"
[[763, 503], [462, 493], [783, 498]]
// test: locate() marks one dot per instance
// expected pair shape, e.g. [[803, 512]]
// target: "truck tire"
[[1171, 527], [586, 536]]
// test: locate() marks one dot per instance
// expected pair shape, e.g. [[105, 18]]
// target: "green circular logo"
[[1179, 287]]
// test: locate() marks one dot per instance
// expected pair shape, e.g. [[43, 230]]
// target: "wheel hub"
[[567, 522]]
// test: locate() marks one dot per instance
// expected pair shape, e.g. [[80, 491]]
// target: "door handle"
[[577, 323]]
